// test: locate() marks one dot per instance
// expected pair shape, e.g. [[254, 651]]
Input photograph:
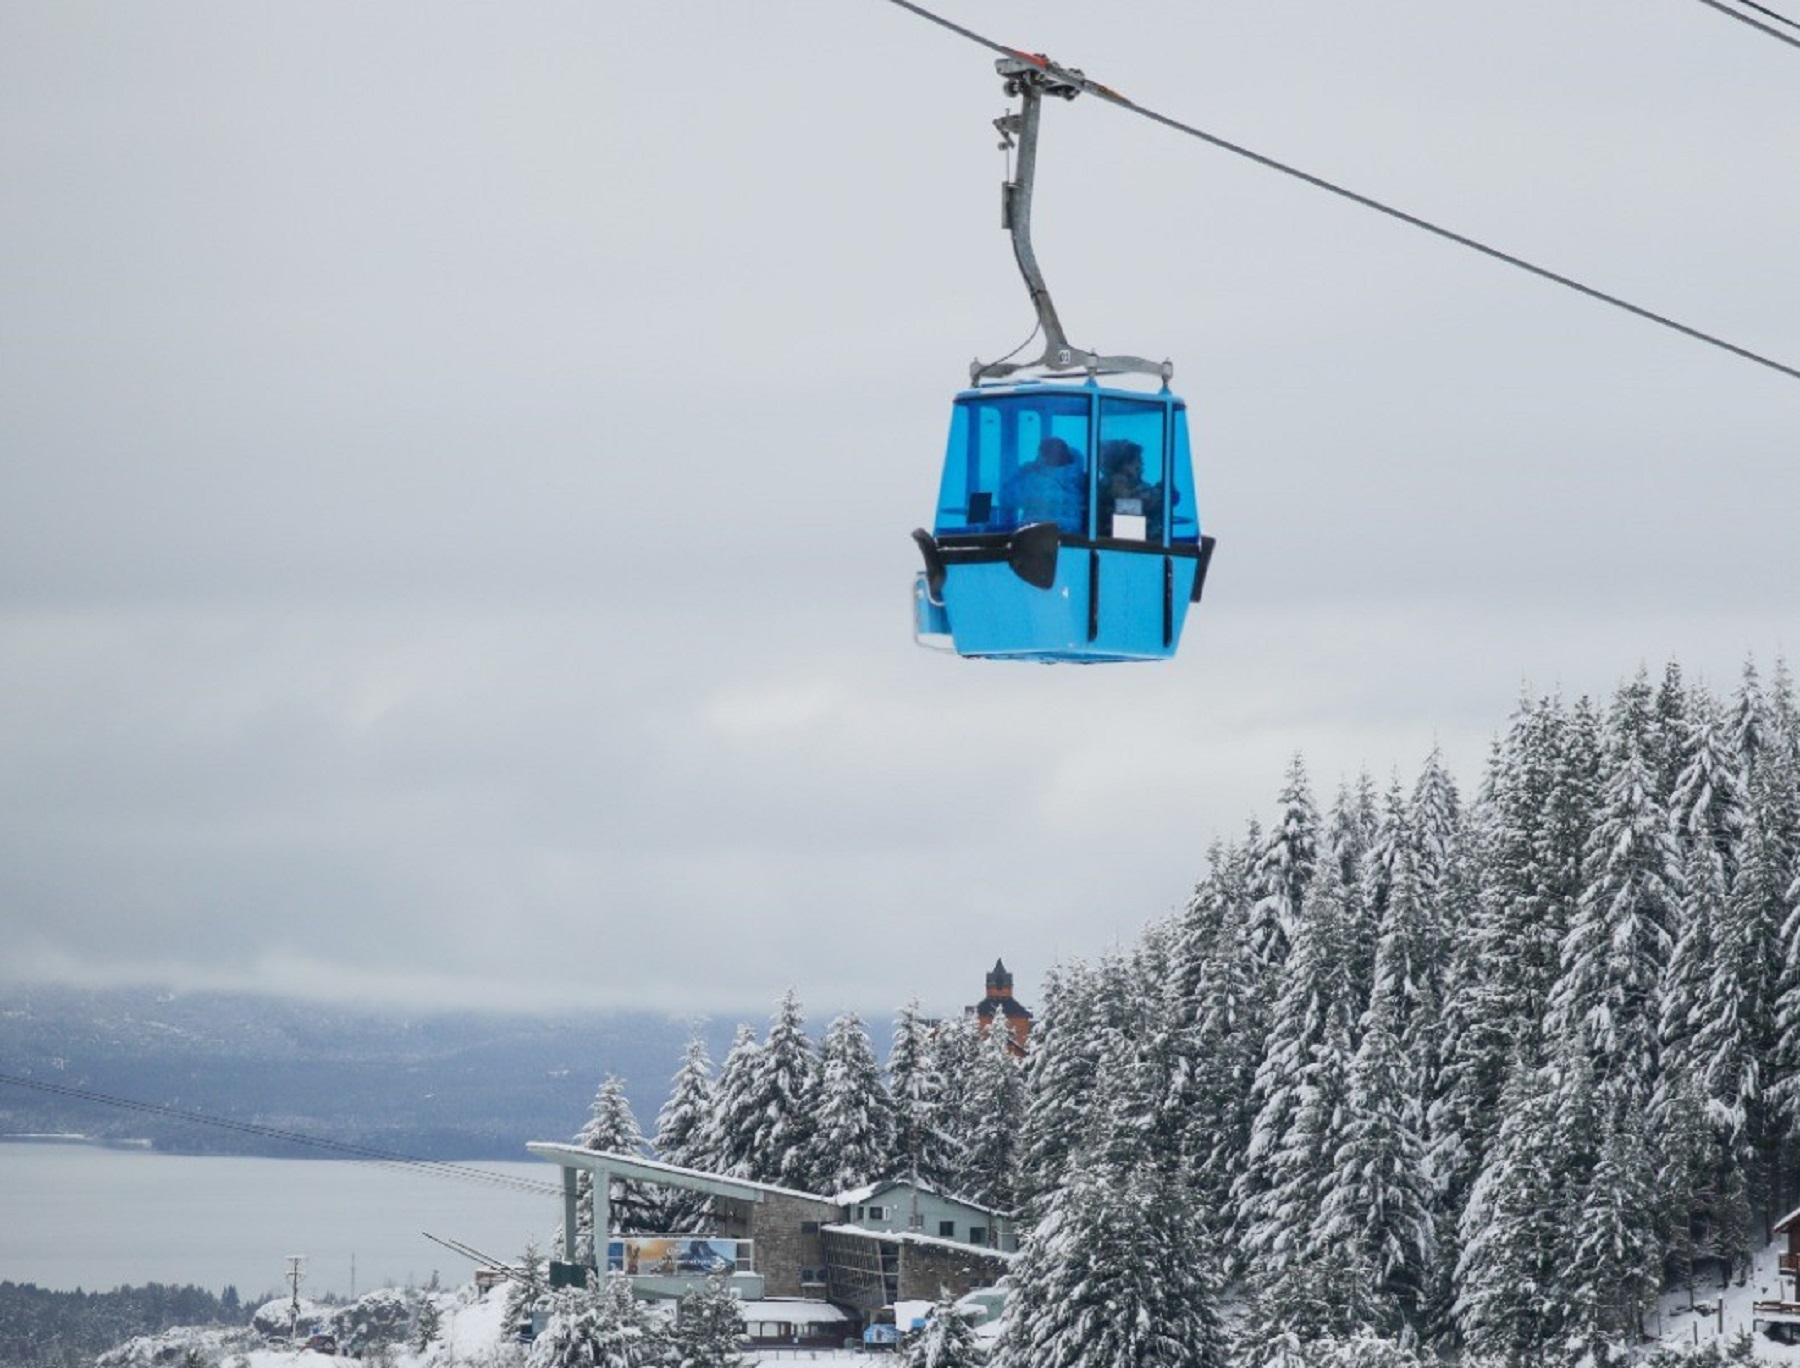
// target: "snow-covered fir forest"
[[1413, 1071]]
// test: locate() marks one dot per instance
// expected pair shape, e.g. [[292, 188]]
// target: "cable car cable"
[[1776, 15], [1743, 18], [1076, 78]]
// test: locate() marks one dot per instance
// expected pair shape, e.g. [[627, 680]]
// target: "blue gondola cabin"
[[1067, 527]]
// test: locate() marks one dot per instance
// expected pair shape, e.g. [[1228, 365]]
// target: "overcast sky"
[[457, 464]]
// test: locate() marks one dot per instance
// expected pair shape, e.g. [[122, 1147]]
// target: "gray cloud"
[[458, 471]]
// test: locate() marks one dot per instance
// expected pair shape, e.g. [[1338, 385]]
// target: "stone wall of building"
[[786, 1230], [927, 1270]]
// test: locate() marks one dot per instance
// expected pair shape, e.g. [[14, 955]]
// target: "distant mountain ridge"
[[452, 1085]]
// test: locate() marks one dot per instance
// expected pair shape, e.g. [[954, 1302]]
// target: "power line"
[[436, 1167], [1760, 27], [1076, 78]]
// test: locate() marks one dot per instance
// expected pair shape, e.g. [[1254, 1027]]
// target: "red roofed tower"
[[1001, 1002]]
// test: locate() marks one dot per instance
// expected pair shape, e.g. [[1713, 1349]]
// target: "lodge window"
[[947, 1229]]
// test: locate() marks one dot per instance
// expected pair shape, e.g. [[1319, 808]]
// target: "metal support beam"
[[571, 1214]]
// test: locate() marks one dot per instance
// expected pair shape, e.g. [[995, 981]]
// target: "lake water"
[[81, 1216]]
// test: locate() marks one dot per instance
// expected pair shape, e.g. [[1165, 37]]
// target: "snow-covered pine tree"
[[955, 1045], [1364, 1349], [709, 1328], [523, 1290], [567, 1340], [1699, 1187], [1435, 822], [736, 1102], [1117, 1275], [1748, 722], [684, 1126], [427, 1322], [1784, 1061], [1544, 795], [1708, 1093], [1762, 895], [1708, 985], [1612, 1272], [1089, 1011], [1209, 1028], [1377, 1201], [602, 1328], [855, 1137], [996, 1105], [1144, 1058], [1780, 802], [1769, 781], [781, 1148], [1308, 1305], [1412, 954], [1376, 871], [1619, 943], [611, 1127], [1724, 1049], [1706, 797], [947, 1341], [1524, 837], [921, 1145], [1120, 1130], [1284, 868], [1670, 725], [1512, 1227], [686, 1136], [1058, 1075], [1301, 1088], [1351, 834]]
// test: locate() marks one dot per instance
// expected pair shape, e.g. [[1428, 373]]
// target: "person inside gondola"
[[1124, 492], [1052, 488]]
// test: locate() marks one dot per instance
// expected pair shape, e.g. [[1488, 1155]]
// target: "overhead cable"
[[436, 1167], [1759, 26], [1076, 78]]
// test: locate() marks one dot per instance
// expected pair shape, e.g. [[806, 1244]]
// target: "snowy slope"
[[471, 1335], [1723, 1314]]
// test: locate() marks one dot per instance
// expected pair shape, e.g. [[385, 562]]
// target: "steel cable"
[[1094, 88]]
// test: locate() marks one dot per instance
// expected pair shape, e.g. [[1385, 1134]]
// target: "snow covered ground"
[[472, 1333], [1723, 1314]]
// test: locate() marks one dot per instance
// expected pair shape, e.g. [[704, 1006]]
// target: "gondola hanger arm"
[[1030, 77]]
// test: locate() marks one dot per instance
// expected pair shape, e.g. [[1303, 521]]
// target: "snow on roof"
[[861, 1194], [795, 1311], [630, 1165], [1786, 1221], [914, 1237], [875, 1189]]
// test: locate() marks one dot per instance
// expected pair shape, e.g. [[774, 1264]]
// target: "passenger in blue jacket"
[[1052, 488]]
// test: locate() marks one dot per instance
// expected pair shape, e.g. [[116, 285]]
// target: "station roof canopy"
[[631, 1166]]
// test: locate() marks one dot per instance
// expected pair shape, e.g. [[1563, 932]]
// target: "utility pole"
[[295, 1276]]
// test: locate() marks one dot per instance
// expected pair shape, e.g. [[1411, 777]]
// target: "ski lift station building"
[[860, 1250]]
